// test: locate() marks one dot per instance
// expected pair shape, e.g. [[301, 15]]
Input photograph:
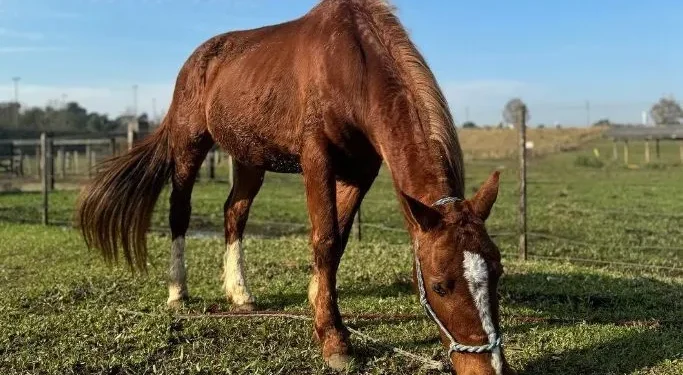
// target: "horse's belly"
[[249, 148]]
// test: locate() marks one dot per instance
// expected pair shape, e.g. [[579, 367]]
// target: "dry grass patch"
[[503, 143]]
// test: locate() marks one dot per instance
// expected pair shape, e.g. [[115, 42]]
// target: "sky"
[[572, 62]]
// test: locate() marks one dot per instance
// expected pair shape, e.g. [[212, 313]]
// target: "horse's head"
[[457, 268]]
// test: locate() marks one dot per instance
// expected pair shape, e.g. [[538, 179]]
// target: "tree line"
[[72, 117], [666, 112]]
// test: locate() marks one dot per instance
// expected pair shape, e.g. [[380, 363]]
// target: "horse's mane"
[[377, 17]]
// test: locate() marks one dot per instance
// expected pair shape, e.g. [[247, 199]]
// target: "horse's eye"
[[438, 289]]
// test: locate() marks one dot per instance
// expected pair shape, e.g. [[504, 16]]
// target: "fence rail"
[[62, 155]]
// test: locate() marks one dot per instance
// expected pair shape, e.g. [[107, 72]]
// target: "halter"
[[455, 346]]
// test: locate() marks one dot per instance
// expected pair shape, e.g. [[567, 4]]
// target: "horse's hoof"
[[339, 362], [245, 307], [175, 304]]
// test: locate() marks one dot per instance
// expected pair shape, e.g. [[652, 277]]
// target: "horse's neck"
[[416, 166]]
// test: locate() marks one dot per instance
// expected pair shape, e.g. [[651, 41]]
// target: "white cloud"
[[112, 100]]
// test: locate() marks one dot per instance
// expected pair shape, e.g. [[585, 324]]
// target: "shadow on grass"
[[594, 298], [623, 355], [654, 307], [572, 298]]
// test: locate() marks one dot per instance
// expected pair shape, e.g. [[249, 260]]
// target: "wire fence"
[[70, 162]]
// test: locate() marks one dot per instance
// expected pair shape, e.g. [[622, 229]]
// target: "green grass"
[[61, 307]]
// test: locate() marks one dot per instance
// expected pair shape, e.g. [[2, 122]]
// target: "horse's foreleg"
[[348, 197], [247, 183], [188, 157], [326, 242]]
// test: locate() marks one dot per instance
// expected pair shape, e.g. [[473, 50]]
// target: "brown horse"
[[330, 95]]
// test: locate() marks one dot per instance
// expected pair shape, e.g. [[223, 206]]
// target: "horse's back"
[[262, 89]]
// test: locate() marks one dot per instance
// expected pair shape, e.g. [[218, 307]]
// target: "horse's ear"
[[420, 214], [483, 200]]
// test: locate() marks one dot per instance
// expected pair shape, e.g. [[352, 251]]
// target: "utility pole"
[[16, 100], [588, 113], [135, 100]]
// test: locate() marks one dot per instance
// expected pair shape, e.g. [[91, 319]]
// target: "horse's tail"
[[116, 208]]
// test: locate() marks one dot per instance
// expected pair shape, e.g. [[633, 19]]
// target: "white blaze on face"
[[234, 281], [476, 274], [177, 287]]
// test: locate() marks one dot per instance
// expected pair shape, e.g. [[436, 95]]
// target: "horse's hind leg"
[[188, 153], [247, 183]]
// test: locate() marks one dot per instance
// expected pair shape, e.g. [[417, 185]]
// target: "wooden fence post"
[[647, 151], [24, 161], [76, 169], [62, 162], [626, 151], [44, 175], [38, 159], [88, 159], [51, 162], [212, 165], [615, 152], [131, 137], [20, 167], [522, 184], [112, 146], [657, 148], [11, 159]]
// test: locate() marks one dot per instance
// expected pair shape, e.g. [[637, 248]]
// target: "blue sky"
[[619, 55]]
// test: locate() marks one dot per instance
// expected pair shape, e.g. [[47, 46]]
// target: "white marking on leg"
[[177, 287], [234, 282], [477, 278], [313, 290]]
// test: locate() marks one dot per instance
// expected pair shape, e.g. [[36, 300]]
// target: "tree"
[[71, 117], [469, 124], [75, 116], [8, 111], [513, 111], [143, 122], [602, 122], [667, 112]]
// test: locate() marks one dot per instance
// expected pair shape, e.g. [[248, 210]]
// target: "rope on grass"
[[427, 363]]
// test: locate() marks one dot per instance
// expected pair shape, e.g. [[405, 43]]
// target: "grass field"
[[63, 311]]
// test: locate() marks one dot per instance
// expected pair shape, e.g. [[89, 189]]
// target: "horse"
[[331, 95]]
